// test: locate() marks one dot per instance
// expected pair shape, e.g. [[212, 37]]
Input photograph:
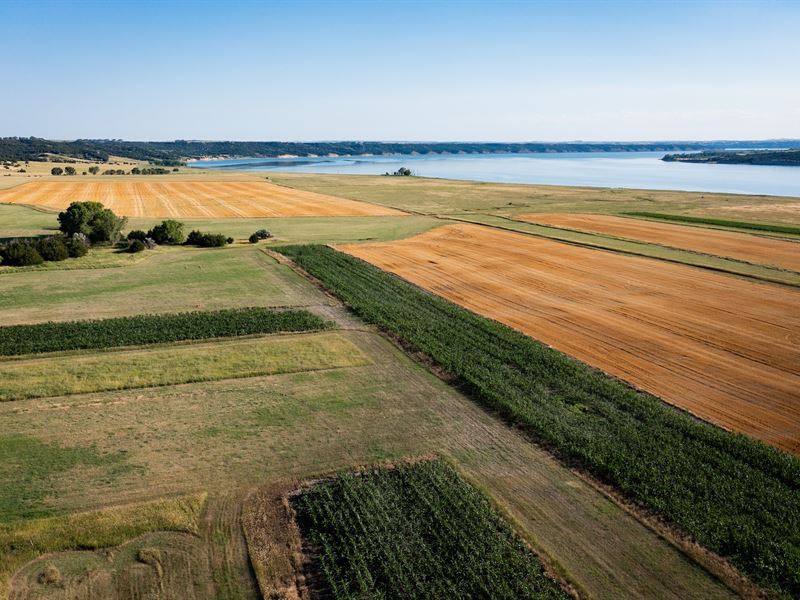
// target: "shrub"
[[56, 171], [69, 170], [52, 248], [94, 170], [262, 234], [21, 253], [253, 239], [207, 240], [136, 246], [230, 240], [169, 232], [136, 234], [76, 247]]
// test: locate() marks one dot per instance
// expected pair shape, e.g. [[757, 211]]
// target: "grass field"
[[443, 196], [76, 373], [153, 197], [415, 531], [739, 246]]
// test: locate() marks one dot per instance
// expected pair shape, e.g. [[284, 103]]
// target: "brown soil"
[[722, 348], [729, 244], [192, 199]]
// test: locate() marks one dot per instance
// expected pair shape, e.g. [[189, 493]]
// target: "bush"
[[76, 247], [262, 234], [207, 240], [136, 234], [92, 219], [21, 253], [52, 248], [136, 246], [56, 171], [169, 232], [69, 170], [253, 239]]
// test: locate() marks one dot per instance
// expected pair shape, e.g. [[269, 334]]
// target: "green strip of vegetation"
[[719, 222], [152, 329], [734, 495], [416, 531]]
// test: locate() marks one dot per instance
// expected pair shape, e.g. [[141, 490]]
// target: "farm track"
[[723, 349], [739, 246], [192, 199]]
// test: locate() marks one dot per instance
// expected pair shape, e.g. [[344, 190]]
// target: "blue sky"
[[403, 70]]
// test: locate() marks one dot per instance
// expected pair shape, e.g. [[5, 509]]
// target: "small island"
[[784, 158]]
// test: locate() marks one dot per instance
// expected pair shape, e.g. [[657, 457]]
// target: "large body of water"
[[598, 169]]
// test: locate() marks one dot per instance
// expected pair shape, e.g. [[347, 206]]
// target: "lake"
[[597, 169]]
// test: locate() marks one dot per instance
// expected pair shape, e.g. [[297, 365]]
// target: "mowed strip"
[[192, 199], [728, 244], [76, 373], [722, 348]]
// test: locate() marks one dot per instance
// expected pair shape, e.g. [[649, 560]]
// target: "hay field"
[[191, 199], [722, 348], [740, 246]]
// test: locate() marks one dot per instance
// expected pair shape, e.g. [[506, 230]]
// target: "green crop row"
[[415, 531], [720, 222], [152, 329], [733, 494]]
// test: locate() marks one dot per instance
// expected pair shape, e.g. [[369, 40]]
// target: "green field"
[[415, 531]]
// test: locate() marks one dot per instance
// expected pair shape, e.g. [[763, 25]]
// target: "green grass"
[[186, 279], [23, 221], [415, 531], [169, 365], [771, 228], [35, 464], [152, 329], [736, 496]]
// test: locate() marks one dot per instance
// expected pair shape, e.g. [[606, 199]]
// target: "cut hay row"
[[732, 494], [152, 329], [415, 531], [191, 199], [728, 244], [722, 348]]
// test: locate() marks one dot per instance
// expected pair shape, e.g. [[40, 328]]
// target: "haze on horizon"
[[506, 71]]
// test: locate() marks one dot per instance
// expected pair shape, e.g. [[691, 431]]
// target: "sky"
[[402, 70]]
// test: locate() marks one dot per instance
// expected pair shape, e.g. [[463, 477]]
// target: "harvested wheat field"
[[725, 349], [740, 246], [192, 199]]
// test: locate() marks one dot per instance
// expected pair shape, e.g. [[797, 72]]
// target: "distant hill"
[[169, 153], [787, 158]]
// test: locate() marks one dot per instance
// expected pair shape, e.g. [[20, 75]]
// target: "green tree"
[[93, 220], [21, 253], [94, 170], [56, 171], [169, 232], [69, 170], [106, 226]]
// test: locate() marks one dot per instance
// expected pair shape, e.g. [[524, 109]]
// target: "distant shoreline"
[[776, 158]]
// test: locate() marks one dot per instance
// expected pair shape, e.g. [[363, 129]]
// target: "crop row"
[[733, 494], [720, 222], [415, 531], [152, 329]]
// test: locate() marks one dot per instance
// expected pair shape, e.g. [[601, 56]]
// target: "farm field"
[[191, 199], [740, 246], [665, 330], [415, 530]]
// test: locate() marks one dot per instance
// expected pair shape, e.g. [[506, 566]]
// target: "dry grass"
[[152, 197], [665, 328]]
